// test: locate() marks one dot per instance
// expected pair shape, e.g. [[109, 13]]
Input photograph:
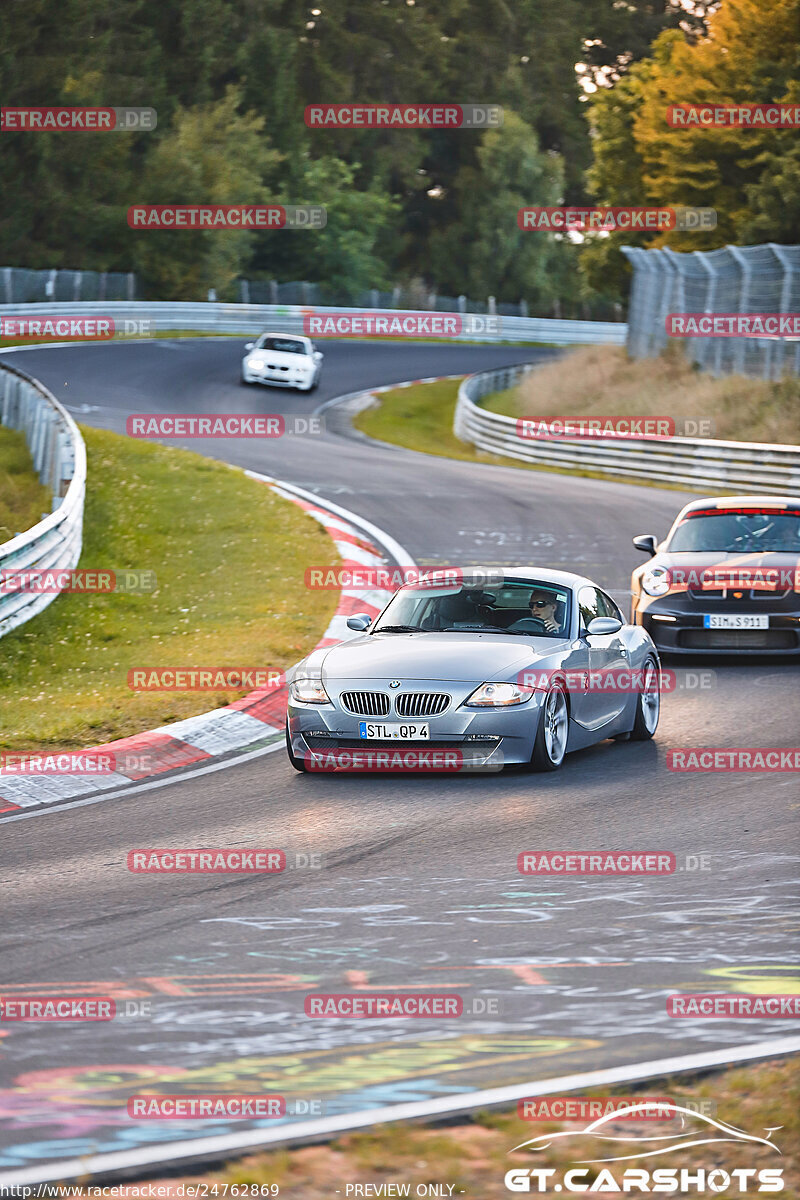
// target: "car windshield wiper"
[[399, 629], [472, 629]]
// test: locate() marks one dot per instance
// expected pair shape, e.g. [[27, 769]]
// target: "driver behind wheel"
[[543, 605]]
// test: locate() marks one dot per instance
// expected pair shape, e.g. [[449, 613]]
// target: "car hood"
[[433, 656], [280, 358]]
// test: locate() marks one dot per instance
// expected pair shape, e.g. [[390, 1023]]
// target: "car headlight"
[[656, 581], [498, 695], [252, 362], [308, 690]]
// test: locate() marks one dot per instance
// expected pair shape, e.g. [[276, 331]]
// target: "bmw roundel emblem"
[[394, 683]]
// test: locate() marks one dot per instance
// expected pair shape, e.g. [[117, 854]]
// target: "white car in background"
[[282, 360]]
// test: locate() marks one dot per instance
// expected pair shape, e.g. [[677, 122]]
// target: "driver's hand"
[[550, 625]]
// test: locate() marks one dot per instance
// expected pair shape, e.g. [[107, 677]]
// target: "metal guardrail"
[[288, 318], [700, 463], [59, 457]]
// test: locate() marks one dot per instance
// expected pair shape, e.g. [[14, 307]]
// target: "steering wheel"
[[523, 625]]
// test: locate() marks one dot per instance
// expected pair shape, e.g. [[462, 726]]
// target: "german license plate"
[[736, 621], [394, 731]]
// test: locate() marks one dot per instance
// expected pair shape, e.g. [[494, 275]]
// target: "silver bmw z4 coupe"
[[496, 668]]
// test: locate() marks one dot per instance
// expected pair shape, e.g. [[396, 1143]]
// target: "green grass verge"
[[23, 499], [229, 557], [420, 418]]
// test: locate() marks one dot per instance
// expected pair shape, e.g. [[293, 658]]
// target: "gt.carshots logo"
[[604, 219], [227, 216], [403, 116], [406, 324], [696, 1129], [77, 120]]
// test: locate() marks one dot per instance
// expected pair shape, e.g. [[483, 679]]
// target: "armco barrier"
[[59, 456], [288, 318], [695, 463]]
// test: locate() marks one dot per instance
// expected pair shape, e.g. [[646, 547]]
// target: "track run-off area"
[[417, 887]]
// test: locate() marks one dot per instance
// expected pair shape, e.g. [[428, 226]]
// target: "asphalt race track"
[[418, 887]]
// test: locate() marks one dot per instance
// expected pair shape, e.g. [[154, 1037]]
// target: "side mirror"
[[318, 355], [359, 622], [600, 625], [646, 542], [249, 345]]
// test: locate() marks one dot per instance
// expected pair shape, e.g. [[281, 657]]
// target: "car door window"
[[609, 607], [589, 605]]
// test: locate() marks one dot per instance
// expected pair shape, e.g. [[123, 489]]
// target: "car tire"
[[648, 703], [297, 763], [553, 732]]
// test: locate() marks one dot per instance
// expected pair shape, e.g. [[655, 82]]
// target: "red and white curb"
[[254, 718]]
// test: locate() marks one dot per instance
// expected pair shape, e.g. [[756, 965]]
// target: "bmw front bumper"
[[484, 738]]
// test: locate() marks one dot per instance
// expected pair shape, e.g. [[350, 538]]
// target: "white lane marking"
[[327, 1127]]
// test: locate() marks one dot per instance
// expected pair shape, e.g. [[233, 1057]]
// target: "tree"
[[479, 247], [211, 154]]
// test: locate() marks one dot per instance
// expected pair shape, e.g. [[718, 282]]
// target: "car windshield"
[[733, 531], [284, 345], [512, 606]]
